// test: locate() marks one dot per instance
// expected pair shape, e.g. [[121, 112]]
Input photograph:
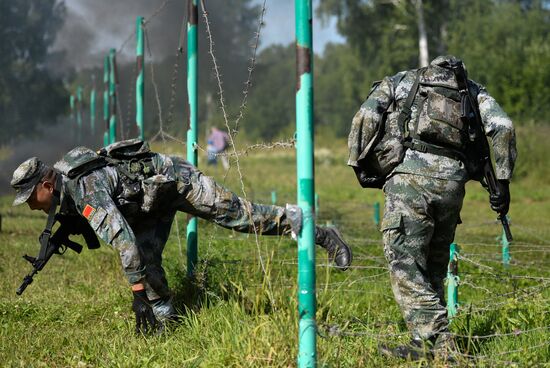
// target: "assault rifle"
[[58, 244], [479, 153]]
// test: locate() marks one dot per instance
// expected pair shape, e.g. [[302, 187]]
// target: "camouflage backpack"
[[129, 156], [133, 161], [378, 139]]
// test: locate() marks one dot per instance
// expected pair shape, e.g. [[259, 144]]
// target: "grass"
[[77, 311]]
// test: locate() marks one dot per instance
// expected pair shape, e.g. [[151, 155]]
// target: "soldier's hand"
[[145, 318], [500, 201]]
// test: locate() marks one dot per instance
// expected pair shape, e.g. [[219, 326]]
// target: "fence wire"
[[483, 264]]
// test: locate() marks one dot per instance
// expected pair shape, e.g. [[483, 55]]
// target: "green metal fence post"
[[140, 85], [273, 197], [79, 113], [452, 281], [307, 329], [377, 213], [72, 100], [112, 96], [92, 107], [192, 132], [106, 138]]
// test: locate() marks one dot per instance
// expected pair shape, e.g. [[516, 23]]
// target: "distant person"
[[425, 156], [129, 197], [217, 144]]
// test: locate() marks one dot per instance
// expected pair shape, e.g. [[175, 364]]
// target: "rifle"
[[58, 244], [479, 152]]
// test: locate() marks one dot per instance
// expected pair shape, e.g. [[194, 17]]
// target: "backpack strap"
[[424, 147], [405, 113]]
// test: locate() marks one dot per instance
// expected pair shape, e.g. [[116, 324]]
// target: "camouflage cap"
[[25, 178]]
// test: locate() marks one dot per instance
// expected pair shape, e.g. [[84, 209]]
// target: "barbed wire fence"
[[478, 265]]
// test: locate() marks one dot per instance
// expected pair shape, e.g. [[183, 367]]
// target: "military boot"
[[164, 313], [445, 349], [416, 349], [338, 251]]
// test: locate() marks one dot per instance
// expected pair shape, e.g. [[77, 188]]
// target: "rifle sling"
[[405, 113], [46, 234]]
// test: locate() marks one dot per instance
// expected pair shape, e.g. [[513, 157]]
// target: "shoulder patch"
[[88, 211]]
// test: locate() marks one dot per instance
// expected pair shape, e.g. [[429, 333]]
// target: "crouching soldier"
[[129, 197]]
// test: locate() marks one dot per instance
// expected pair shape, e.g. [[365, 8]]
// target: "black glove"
[[500, 201], [145, 318]]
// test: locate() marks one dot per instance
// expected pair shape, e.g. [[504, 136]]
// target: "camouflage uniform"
[[130, 195], [135, 215], [423, 197]]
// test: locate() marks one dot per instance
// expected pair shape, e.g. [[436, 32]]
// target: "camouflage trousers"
[[420, 218], [198, 195]]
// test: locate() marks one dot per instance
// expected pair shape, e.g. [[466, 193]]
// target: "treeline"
[[504, 43]]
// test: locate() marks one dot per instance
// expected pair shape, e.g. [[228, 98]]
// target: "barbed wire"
[[156, 12], [290, 143], [345, 285], [336, 330], [486, 356], [251, 67], [514, 244], [232, 142], [161, 133], [132, 35]]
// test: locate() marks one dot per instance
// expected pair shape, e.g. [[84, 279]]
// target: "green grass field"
[[77, 311]]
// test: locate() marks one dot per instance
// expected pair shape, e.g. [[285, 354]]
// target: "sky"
[[91, 27]]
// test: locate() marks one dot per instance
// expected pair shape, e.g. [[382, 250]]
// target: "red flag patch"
[[88, 211]]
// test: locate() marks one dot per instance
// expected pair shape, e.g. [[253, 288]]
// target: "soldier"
[[130, 195], [422, 163]]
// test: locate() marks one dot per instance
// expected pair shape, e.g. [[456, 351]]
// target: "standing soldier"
[[412, 138], [129, 197]]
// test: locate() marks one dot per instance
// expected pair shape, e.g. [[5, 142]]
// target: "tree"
[[422, 35], [505, 46], [271, 108], [29, 95], [504, 43]]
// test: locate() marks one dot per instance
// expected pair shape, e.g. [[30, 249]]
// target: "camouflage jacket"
[[390, 95], [113, 204]]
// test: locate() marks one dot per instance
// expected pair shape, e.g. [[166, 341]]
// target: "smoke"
[[92, 28], [51, 144]]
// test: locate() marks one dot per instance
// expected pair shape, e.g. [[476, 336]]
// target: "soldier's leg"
[[448, 197], [203, 197], [151, 236], [407, 228]]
